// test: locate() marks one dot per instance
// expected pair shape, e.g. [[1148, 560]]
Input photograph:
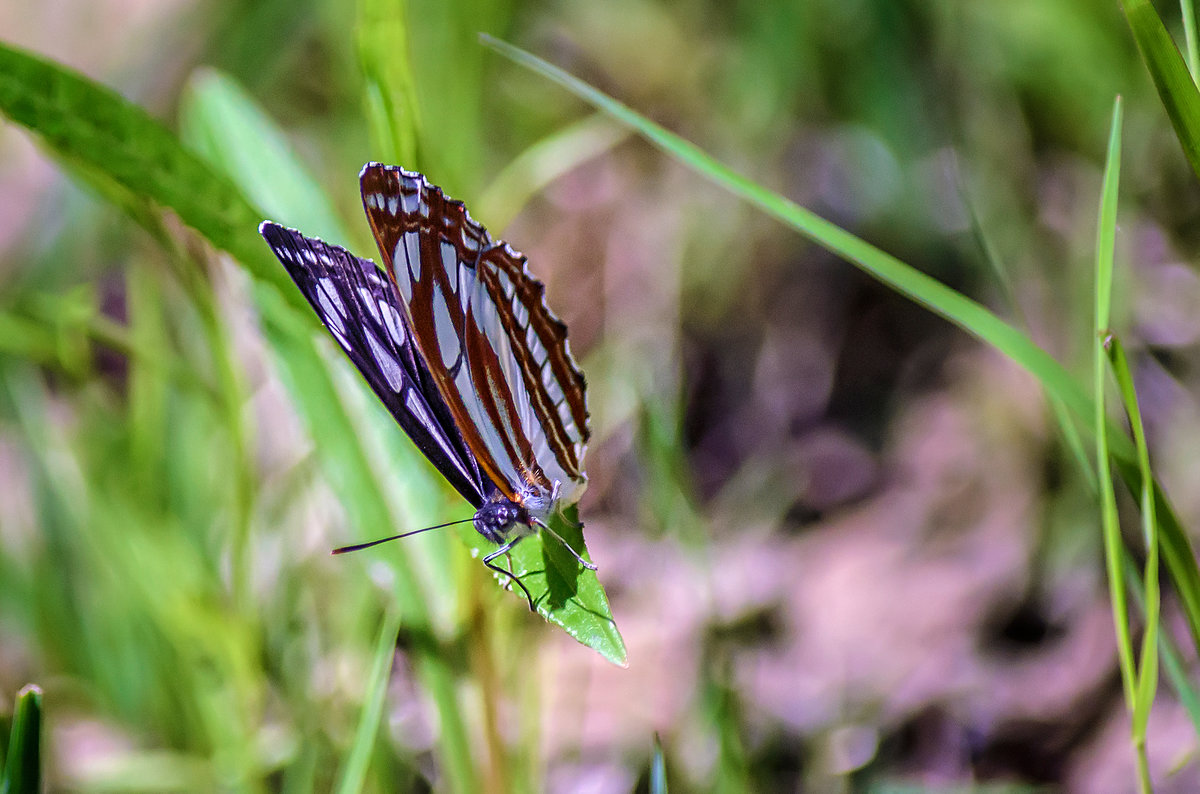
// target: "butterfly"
[[455, 338]]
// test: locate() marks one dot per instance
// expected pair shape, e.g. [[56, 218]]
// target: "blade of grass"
[[543, 162], [389, 90], [222, 123], [938, 298], [1173, 664], [1105, 243], [1187, 11], [1139, 693], [354, 771], [958, 309], [1147, 673], [658, 769], [22, 773], [90, 125], [1174, 83]]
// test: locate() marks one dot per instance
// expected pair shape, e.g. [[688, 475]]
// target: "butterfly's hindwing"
[[359, 306], [544, 359], [481, 322]]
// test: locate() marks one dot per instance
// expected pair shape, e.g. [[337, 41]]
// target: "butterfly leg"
[[590, 566], [561, 514], [504, 550]]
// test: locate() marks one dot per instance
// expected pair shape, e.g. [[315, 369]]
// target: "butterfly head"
[[499, 516]]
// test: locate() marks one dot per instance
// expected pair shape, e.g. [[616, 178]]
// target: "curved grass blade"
[[1175, 84], [960, 310], [91, 126]]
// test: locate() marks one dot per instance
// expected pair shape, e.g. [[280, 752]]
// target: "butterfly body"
[[455, 338]]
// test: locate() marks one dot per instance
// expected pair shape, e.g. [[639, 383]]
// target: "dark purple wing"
[[359, 306]]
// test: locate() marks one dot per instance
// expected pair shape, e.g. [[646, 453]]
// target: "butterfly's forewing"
[[361, 309], [482, 325]]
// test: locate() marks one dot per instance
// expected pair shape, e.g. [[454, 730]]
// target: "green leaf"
[[564, 592]]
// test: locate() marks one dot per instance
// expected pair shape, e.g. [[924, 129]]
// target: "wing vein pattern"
[[360, 307], [481, 324]]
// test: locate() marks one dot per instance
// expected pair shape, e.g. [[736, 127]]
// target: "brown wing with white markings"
[[481, 323]]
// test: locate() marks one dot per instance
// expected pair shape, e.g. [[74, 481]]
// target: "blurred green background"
[[846, 544]]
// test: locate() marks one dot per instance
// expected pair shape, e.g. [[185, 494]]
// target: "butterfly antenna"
[[559, 538], [370, 543]]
